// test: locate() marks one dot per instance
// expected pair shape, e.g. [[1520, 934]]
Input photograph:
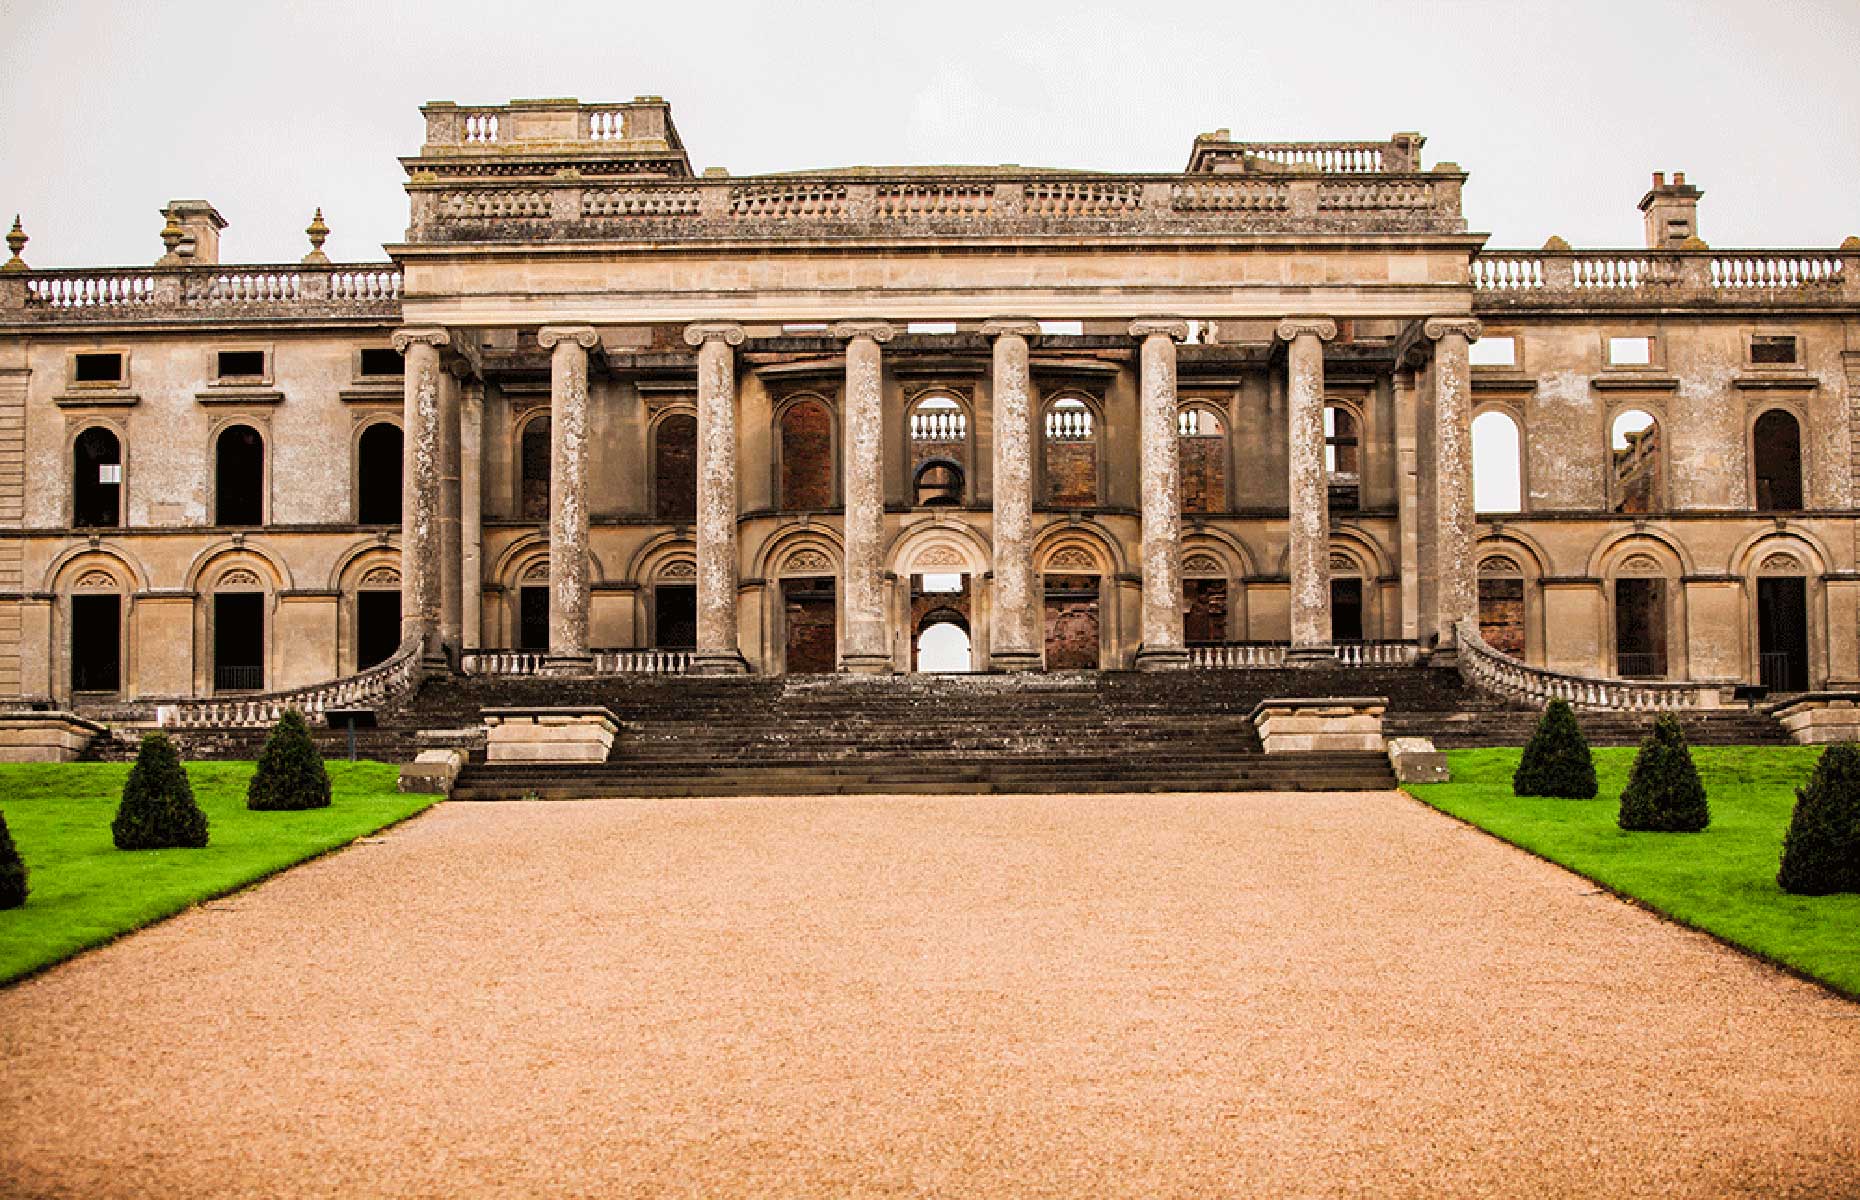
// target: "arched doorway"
[[943, 643]]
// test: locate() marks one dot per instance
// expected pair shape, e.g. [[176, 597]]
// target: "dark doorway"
[[239, 642], [1640, 628], [96, 479], [1072, 622], [240, 477], [377, 627], [378, 467], [1346, 610], [1501, 614], [1205, 622], [533, 503], [1776, 446], [674, 616], [96, 642], [533, 618], [1782, 634], [674, 469], [812, 643]]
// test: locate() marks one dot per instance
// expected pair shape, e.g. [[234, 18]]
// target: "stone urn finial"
[[318, 233], [16, 240], [171, 235]]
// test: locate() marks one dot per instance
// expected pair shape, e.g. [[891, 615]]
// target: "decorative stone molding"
[[536, 572], [239, 577], [1782, 564], [1342, 564], [810, 562], [426, 335], [1322, 328], [679, 568], [1173, 328], [729, 332], [941, 556], [1499, 564], [1072, 558], [1435, 328], [1640, 564], [1202, 565], [551, 336], [878, 331], [95, 580], [381, 577], [1025, 327]]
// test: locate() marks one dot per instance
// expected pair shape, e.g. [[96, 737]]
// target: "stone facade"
[[764, 420]]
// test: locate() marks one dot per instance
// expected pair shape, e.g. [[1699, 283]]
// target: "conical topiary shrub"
[[1821, 851], [12, 870], [1556, 761], [1663, 791], [158, 810], [290, 771]]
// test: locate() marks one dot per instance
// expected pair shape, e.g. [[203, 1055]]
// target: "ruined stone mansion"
[[603, 413]]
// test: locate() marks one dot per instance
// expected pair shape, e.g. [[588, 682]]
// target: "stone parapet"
[[1306, 723], [1585, 280], [204, 294], [549, 734], [54, 736], [1821, 718]]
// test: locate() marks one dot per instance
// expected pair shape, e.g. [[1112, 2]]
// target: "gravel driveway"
[[1252, 995]]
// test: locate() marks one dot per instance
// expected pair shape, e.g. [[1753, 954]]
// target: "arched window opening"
[[378, 465], [96, 479], [96, 641], [674, 469], [534, 470], [1071, 455], [240, 477], [806, 456], [1776, 452], [1637, 470], [239, 641], [939, 448], [1203, 457], [1497, 452], [1343, 459], [1501, 605], [943, 643], [939, 483]]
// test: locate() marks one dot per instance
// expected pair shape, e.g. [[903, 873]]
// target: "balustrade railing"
[[1229, 656], [939, 426], [1498, 672], [379, 684], [218, 291], [1611, 276], [650, 661]]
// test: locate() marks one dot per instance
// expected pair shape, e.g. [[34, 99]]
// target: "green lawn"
[[1722, 880], [84, 891]]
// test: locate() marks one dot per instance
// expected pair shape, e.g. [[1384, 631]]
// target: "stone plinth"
[[1821, 718], [1415, 760], [1320, 723], [548, 734], [44, 736], [432, 771]]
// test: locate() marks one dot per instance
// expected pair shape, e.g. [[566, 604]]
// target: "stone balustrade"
[[1260, 656], [1522, 279], [1498, 672], [605, 662], [371, 291], [378, 685]]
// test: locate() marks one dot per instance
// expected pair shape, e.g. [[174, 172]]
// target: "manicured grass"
[[1722, 880], [85, 892]]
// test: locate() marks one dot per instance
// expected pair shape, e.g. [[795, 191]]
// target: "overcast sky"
[[1559, 110]]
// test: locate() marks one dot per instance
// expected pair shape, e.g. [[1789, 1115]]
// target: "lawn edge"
[[1770, 961], [229, 890]]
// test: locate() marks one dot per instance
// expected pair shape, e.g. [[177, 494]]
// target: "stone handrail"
[[369, 290], [1377, 654], [606, 662], [1399, 154], [1498, 672], [379, 684], [1521, 278], [1243, 656]]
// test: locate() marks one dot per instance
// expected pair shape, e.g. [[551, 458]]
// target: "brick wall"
[[1204, 474], [1501, 615], [808, 612], [1206, 619], [806, 457], [1072, 474], [675, 469], [1071, 622]]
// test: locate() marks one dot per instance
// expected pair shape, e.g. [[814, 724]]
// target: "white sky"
[[1559, 110]]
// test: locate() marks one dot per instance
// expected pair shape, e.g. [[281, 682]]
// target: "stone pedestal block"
[[1822, 718], [1415, 760], [44, 736], [548, 734], [432, 771], [1320, 723]]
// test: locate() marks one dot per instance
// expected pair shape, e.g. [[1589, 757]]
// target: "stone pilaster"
[[568, 494], [471, 512], [1162, 646], [421, 466], [451, 512], [1015, 635], [1456, 588], [717, 650], [1308, 553], [867, 649]]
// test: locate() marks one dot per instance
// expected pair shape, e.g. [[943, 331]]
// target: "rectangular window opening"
[[1062, 328], [1630, 351], [940, 584], [376, 361], [241, 364], [99, 368], [930, 327], [1768, 348], [1494, 352]]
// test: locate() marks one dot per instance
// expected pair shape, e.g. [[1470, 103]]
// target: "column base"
[[718, 662], [568, 664], [1311, 656], [1162, 658], [865, 664], [1014, 662]]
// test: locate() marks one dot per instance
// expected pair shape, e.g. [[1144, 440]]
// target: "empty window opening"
[[533, 490], [1640, 628], [1202, 456], [939, 584], [943, 644], [939, 483], [1782, 634], [377, 627], [1773, 349], [803, 328], [1497, 453], [377, 361], [674, 616], [96, 479], [533, 617], [1634, 443], [1062, 328], [1071, 447], [810, 637], [930, 327], [674, 469], [378, 466], [1776, 453], [1072, 628], [806, 457], [1343, 459], [239, 642], [241, 364], [1501, 608], [1204, 617], [96, 642], [239, 487], [1630, 351], [1346, 610], [1494, 352], [98, 368]]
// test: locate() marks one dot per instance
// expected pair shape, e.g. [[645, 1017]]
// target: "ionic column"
[[419, 504], [1015, 622], [568, 494], [1159, 444], [717, 650], [1308, 558], [867, 649], [1456, 588]]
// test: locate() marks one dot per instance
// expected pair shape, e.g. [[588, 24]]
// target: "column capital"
[[1467, 327], [1025, 327], [551, 336], [424, 335], [1173, 328], [1322, 328], [878, 331], [728, 332]]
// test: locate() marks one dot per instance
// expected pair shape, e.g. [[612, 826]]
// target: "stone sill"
[[98, 400], [372, 394], [1650, 382], [1503, 381], [1801, 381], [242, 396]]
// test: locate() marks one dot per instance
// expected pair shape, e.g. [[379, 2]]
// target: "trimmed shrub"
[[158, 810], [290, 771], [1821, 851], [1556, 761], [1663, 791], [12, 870]]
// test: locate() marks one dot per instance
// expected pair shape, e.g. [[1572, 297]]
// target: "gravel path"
[[1259, 995]]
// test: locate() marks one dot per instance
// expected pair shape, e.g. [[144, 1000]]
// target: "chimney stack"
[[199, 224], [1672, 213]]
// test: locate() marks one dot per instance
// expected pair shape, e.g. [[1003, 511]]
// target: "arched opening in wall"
[[674, 611], [1346, 600], [96, 479], [533, 616], [1640, 619], [1204, 600], [806, 456], [940, 596], [1501, 605], [238, 637], [938, 483], [378, 465], [674, 469], [377, 618], [534, 467], [239, 476], [1637, 474], [1071, 454], [1782, 625], [943, 643], [1343, 458], [1497, 452], [939, 447], [96, 636], [1072, 615], [1776, 454], [1202, 453], [810, 634]]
